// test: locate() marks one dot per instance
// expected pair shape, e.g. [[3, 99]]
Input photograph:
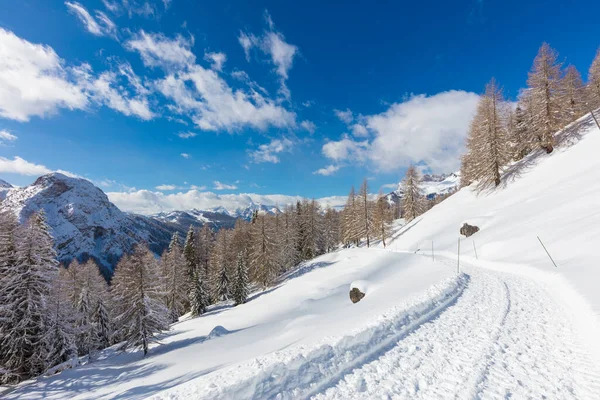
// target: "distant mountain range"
[[86, 224]]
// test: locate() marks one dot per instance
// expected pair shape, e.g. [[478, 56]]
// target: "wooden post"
[[474, 248], [458, 260], [549, 256]]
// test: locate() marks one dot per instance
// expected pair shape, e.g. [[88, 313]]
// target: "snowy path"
[[504, 338]]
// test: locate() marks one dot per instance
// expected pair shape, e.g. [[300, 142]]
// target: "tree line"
[[500, 134]]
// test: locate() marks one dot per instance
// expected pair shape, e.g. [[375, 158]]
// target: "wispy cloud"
[[20, 166], [223, 186], [344, 115], [186, 155], [101, 25], [6, 136], [328, 170], [269, 152], [187, 135]]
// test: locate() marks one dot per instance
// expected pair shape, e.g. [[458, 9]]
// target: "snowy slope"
[[510, 325], [311, 305], [4, 188]]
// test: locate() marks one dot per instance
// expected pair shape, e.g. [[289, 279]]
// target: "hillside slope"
[[509, 325]]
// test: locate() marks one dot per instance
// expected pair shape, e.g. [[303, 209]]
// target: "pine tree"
[[412, 199], [220, 261], [190, 253], [137, 292], [102, 324], [289, 243], [60, 338], [488, 139], [199, 298], [176, 278], [24, 344], [205, 244], [240, 287], [545, 87], [593, 86], [10, 235], [573, 96], [382, 219]]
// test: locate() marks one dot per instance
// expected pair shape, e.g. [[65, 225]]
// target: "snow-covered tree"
[[61, 334], [140, 313], [199, 298], [488, 144], [26, 293], [412, 198], [176, 279], [190, 252], [240, 285], [546, 92]]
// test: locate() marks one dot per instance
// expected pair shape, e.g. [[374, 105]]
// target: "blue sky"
[[152, 100]]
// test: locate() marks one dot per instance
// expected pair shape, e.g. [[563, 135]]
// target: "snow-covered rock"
[[4, 188]]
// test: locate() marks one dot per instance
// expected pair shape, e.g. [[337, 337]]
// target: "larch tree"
[[546, 92], [593, 86], [350, 220], [136, 288], [412, 196], [263, 267], [331, 226], [521, 138], [289, 247], [24, 345], [364, 213], [573, 94], [488, 139], [205, 240], [382, 218], [176, 278], [220, 264]]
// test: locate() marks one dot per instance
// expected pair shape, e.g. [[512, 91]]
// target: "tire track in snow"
[[504, 338]]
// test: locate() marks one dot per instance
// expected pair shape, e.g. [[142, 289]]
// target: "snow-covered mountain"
[[246, 212], [183, 219], [4, 188], [432, 185], [86, 224]]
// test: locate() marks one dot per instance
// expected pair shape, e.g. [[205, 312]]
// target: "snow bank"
[[301, 372]]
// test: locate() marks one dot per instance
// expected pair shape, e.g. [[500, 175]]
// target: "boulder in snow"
[[468, 230], [356, 295]]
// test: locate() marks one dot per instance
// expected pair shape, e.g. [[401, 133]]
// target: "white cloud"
[[187, 135], [273, 44], [344, 116], [20, 166], [329, 170], [105, 27], [269, 152], [148, 202], [359, 130], [112, 6], [309, 126], [346, 149], [166, 187], [6, 136], [33, 81], [185, 155], [107, 89], [216, 59], [157, 50], [423, 129], [223, 186]]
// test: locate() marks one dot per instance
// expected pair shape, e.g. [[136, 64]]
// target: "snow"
[[510, 325], [306, 310]]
